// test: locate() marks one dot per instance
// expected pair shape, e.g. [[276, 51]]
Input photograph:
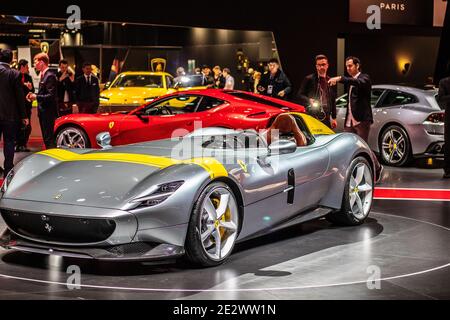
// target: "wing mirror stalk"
[[141, 117]]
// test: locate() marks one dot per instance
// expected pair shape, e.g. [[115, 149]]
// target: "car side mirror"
[[104, 140], [282, 147], [142, 117]]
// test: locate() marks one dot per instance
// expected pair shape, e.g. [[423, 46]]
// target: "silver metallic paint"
[[108, 188]]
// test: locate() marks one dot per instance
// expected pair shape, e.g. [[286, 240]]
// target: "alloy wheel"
[[394, 146], [361, 189], [71, 138], [219, 223]]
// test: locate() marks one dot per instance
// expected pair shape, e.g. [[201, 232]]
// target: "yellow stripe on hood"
[[210, 165]]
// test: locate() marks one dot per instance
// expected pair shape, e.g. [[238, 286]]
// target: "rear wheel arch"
[[387, 125], [346, 215], [402, 127]]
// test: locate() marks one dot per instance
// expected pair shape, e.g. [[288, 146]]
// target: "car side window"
[[209, 103], [375, 96], [173, 106], [395, 98]]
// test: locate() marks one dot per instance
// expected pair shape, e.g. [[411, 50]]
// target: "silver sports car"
[[408, 123], [194, 196]]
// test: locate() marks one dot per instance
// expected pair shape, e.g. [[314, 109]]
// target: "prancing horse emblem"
[[58, 196], [111, 124], [48, 227]]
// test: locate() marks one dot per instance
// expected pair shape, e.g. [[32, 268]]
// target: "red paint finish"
[[412, 194], [241, 112]]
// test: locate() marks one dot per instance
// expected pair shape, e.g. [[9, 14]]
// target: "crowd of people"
[[60, 92]]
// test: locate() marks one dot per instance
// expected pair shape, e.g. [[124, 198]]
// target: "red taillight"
[[437, 117]]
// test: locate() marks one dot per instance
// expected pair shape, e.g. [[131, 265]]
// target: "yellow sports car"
[[133, 89]]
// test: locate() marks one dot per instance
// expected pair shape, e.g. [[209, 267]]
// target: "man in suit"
[[207, 80], [66, 83], [47, 98], [317, 95], [444, 101], [275, 83], [359, 116], [12, 107], [24, 131], [87, 90]]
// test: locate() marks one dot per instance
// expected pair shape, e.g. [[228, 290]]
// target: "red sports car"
[[173, 115]]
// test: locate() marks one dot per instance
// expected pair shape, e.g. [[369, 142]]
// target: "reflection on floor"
[[405, 242]]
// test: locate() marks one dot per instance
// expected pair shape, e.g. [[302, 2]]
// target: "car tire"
[[395, 146], [217, 200], [72, 137], [358, 195]]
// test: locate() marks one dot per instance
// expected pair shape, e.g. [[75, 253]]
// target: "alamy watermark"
[[74, 280], [374, 20], [373, 282], [74, 19]]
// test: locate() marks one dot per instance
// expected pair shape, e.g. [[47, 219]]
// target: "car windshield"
[[188, 81], [132, 81], [239, 140]]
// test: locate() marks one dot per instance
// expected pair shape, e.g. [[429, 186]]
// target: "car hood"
[[80, 117], [134, 96], [96, 178]]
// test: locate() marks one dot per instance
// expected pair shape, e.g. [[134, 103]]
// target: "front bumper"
[[137, 251], [51, 228], [68, 225]]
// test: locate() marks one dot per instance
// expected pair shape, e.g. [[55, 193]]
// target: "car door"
[[281, 186], [342, 103], [165, 118], [206, 116]]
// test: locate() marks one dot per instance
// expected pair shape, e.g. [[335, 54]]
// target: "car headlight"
[[159, 194], [150, 99], [103, 99], [7, 181]]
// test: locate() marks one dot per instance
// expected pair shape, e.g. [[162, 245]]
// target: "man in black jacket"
[[24, 131], [219, 80], [275, 83], [207, 80], [87, 90], [444, 101], [12, 107], [317, 95], [359, 116], [66, 88], [47, 98]]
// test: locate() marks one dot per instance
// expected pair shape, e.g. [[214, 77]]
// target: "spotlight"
[[406, 68]]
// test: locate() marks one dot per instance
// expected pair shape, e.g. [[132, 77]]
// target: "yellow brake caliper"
[[225, 217]]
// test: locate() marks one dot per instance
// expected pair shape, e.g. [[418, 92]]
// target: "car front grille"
[[52, 228]]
